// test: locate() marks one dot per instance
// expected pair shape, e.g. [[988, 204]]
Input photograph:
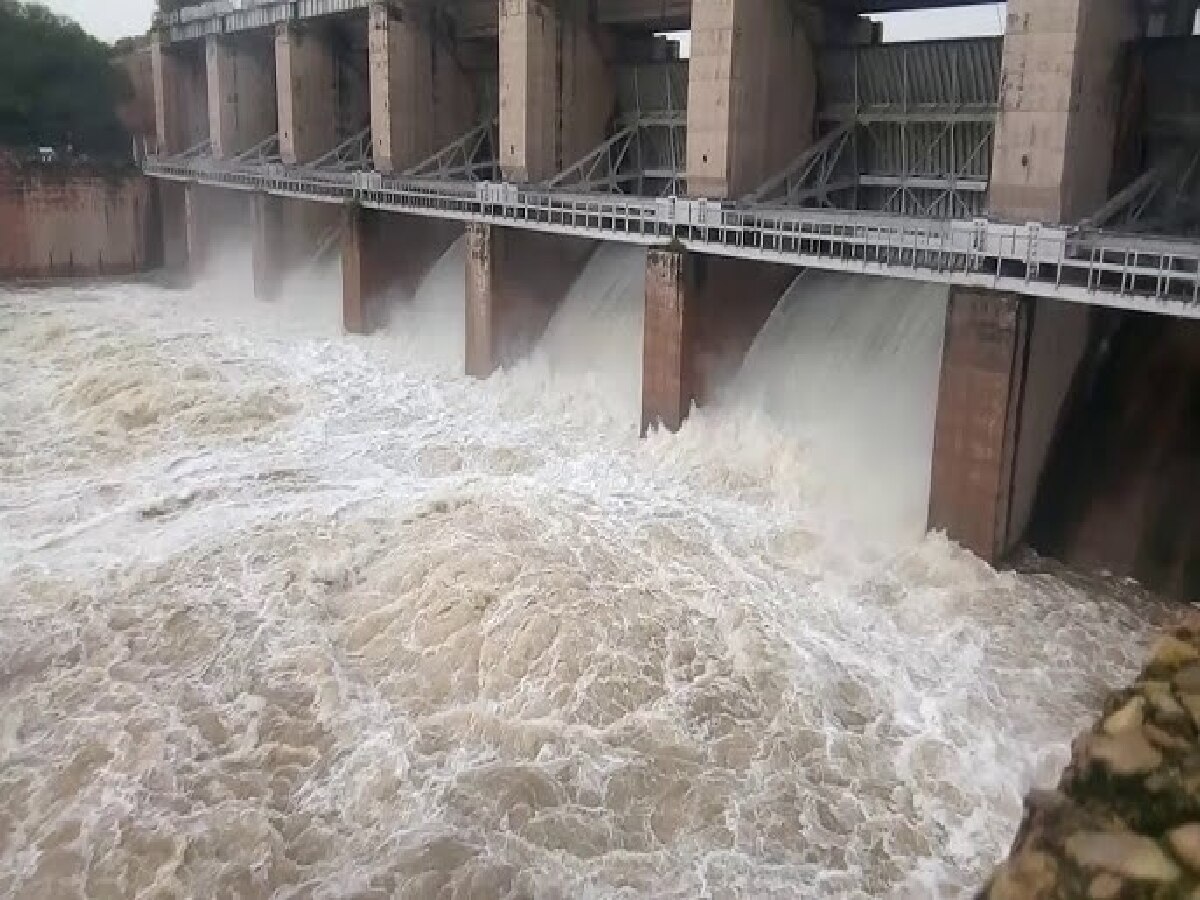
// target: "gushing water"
[[293, 615]]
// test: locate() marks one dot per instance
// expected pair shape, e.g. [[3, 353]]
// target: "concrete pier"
[[1008, 365], [702, 315], [269, 246], [421, 98], [556, 89], [751, 94], [515, 281], [307, 85], [242, 105], [180, 96], [1060, 94]]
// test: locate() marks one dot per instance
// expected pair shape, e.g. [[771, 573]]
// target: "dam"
[[1046, 178], [555, 467]]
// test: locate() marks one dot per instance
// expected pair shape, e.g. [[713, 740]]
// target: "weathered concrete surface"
[[1059, 98], [421, 98], [242, 104], [306, 80], [702, 315], [55, 223], [751, 94], [386, 255], [1124, 821], [557, 93], [979, 402], [1008, 366], [180, 97], [515, 281]]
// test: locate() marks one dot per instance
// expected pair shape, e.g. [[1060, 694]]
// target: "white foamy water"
[[292, 615]]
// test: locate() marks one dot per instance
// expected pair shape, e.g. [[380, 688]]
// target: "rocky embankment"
[[1124, 823]]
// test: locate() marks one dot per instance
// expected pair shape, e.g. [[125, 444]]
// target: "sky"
[[112, 19]]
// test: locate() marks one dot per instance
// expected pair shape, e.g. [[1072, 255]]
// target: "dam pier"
[[1049, 178]]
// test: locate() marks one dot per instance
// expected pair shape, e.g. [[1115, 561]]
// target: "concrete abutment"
[[306, 79]]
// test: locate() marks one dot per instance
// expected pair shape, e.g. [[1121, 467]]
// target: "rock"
[[1187, 679], [1031, 875], [1171, 653], [1164, 740], [1122, 853], [1128, 753], [1128, 718], [1104, 887], [1185, 841], [1166, 707], [1191, 702]]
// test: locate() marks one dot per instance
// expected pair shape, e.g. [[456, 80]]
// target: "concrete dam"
[[555, 465]]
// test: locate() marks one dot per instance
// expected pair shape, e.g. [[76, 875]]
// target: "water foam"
[[428, 635]]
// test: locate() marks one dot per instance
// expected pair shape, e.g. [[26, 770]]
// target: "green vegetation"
[[57, 86]]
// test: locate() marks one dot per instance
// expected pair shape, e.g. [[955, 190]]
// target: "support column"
[[385, 254], [197, 227], [241, 94], [1059, 99], [421, 99], [556, 87], [172, 202], [702, 316], [1008, 365], [269, 251], [180, 97], [307, 85], [751, 94], [515, 281]]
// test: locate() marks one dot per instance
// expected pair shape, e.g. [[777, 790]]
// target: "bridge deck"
[[1085, 266]]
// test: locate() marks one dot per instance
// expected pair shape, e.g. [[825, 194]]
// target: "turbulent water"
[[289, 614]]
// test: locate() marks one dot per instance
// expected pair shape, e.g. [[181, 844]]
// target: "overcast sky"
[[112, 19]]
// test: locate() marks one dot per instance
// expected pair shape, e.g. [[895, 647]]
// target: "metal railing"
[[1078, 265]]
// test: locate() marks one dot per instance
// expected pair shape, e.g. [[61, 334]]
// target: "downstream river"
[[289, 614]]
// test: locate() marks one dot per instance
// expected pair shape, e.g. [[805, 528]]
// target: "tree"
[[57, 86]]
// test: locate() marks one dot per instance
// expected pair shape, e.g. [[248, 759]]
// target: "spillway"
[[286, 612]]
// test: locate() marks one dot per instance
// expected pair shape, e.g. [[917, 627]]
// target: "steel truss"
[[1166, 198], [355, 153], [646, 154], [472, 157], [265, 152]]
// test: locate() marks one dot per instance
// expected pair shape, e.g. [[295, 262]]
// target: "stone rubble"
[[1124, 821]]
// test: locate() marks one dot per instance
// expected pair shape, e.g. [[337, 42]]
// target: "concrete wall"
[[421, 98], [702, 315], [557, 92], [1060, 90], [61, 223], [306, 81], [751, 94], [180, 96], [242, 104]]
